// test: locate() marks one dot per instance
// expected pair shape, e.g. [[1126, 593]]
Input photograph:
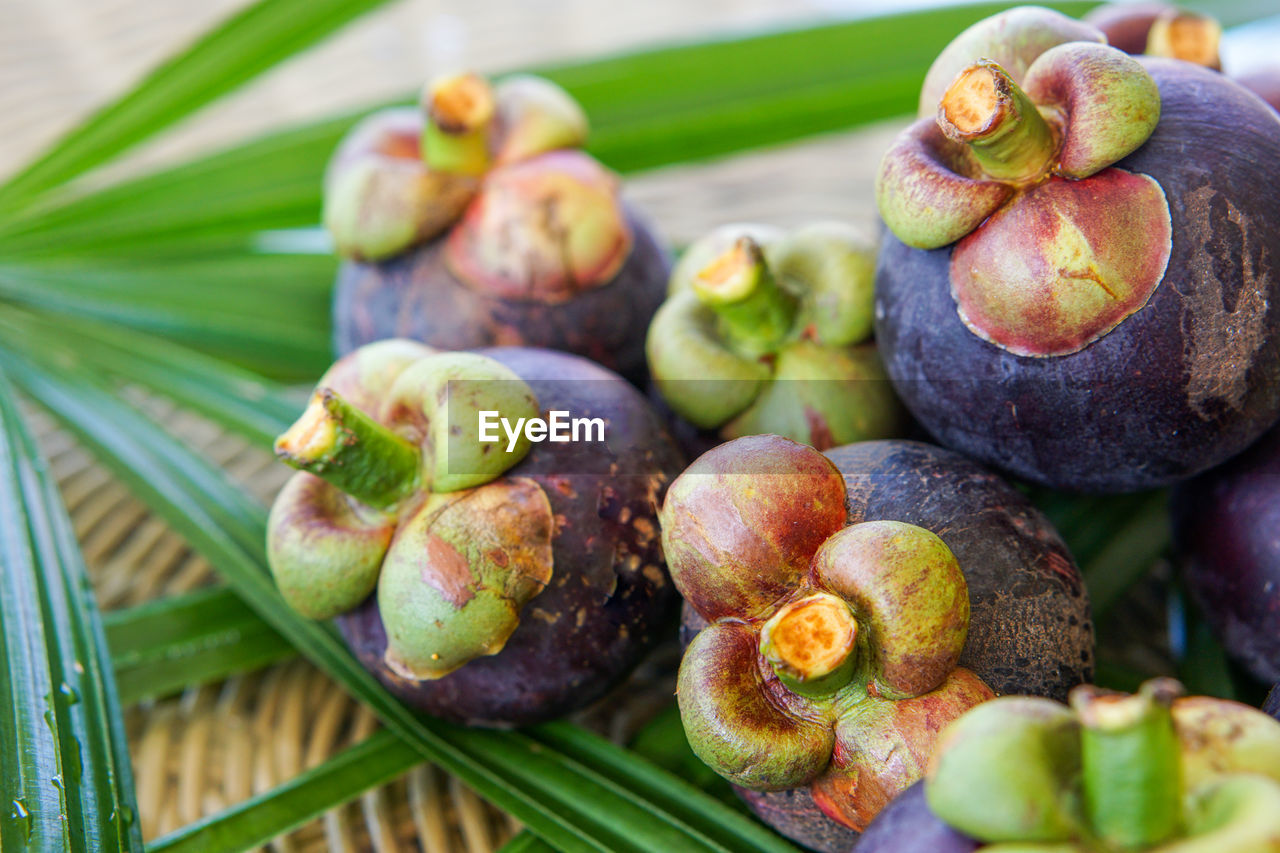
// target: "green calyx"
[[404, 492], [454, 403], [1149, 772], [823, 396], [829, 645], [1071, 110], [402, 177], [997, 772], [1013, 39], [761, 333], [1017, 173]]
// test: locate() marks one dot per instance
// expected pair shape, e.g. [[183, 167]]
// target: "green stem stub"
[[810, 644], [756, 313], [985, 109], [1131, 774], [460, 111], [342, 445]]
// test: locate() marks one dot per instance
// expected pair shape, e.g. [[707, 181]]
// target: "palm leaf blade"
[[173, 643], [243, 46], [71, 785]]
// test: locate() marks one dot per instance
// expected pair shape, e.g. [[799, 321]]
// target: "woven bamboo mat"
[[211, 747]]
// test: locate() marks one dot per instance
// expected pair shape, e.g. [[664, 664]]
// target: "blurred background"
[[59, 59]]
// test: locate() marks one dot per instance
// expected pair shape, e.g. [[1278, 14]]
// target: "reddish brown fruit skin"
[[609, 595], [1029, 627], [1188, 381], [415, 295], [1225, 526]]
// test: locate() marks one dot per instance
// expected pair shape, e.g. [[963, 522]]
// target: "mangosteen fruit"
[[1162, 29], [1081, 283], [766, 331], [841, 608], [488, 582], [1153, 771], [1226, 527], [478, 221]]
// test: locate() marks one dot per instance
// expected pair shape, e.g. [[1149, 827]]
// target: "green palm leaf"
[[67, 784], [167, 645], [245, 45]]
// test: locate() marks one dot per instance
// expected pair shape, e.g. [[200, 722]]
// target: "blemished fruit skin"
[[609, 596], [415, 295], [1029, 630], [1226, 526], [907, 826], [1186, 382]]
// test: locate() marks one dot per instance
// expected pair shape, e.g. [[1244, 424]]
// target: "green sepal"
[[458, 573], [700, 376], [1241, 814], [441, 398], [823, 396], [737, 727], [832, 266], [1003, 772], [324, 552]]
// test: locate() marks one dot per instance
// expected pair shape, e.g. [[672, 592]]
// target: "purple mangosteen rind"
[[1029, 627], [1224, 524], [1190, 379], [907, 825]]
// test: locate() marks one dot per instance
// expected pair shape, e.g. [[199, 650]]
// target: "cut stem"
[[990, 113], [1131, 770], [809, 643], [460, 110], [350, 450], [755, 312], [1188, 36]]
